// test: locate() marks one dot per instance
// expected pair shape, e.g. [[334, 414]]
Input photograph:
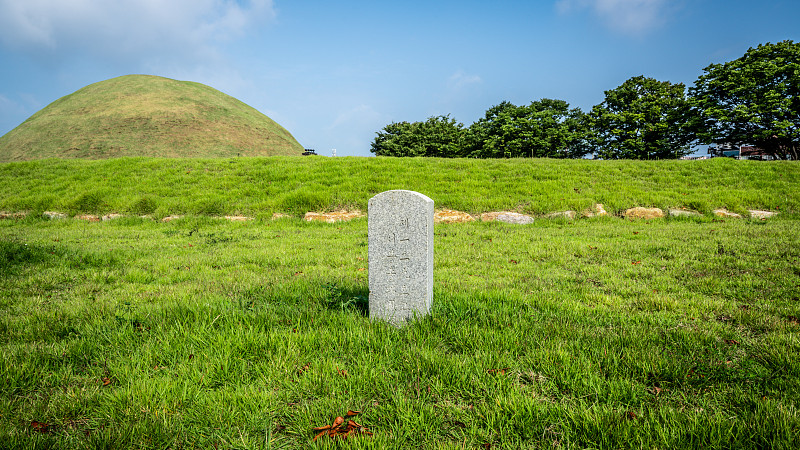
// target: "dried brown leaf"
[[353, 413], [322, 428], [656, 390], [337, 422], [319, 434], [41, 427]]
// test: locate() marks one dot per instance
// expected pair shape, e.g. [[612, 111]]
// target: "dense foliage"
[[753, 100], [438, 136], [545, 128], [642, 119]]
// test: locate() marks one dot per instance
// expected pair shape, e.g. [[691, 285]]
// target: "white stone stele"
[[400, 229]]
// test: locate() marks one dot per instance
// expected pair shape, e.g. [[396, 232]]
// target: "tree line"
[[752, 100]]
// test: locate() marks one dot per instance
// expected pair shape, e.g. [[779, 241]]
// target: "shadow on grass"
[[15, 254], [347, 298]]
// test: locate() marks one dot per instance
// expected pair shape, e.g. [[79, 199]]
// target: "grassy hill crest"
[[145, 115]]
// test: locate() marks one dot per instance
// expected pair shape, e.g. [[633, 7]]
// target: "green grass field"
[[205, 333], [202, 333], [259, 187]]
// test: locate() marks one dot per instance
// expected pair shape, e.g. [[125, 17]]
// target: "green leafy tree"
[[544, 129], [753, 100], [439, 136], [643, 119]]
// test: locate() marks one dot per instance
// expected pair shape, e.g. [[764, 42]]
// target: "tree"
[[439, 136], [753, 100], [643, 119], [543, 129]]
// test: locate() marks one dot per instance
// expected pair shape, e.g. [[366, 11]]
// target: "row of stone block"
[[445, 215]]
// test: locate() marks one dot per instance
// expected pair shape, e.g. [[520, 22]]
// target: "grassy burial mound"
[[142, 115]]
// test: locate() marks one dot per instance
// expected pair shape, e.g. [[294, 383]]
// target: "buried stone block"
[[762, 215], [643, 213], [683, 213], [400, 235], [507, 217], [722, 212]]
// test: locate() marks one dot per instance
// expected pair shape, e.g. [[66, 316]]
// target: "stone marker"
[[400, 230]]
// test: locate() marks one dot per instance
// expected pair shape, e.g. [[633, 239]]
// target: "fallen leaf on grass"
[[630, 415], [41, 427], [636, 262], [318, 435], [342, 372], [340, 429], [513, 261], [459, 424], [106, 381], [498, 371], [655, 390]]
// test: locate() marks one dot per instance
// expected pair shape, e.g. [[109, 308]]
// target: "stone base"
[[451, 216], [507, 217], [644, 213]]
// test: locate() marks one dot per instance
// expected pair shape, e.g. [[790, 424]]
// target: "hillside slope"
[[143, 115], [263, 186]]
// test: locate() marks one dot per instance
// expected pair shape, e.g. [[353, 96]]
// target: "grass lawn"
[[597, 333], [259, 187]]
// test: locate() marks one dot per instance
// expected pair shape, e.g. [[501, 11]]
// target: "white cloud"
[[634, 17], [461, 79], [124, 29]]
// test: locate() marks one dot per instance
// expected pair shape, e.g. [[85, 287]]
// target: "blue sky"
[[335, 73]]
